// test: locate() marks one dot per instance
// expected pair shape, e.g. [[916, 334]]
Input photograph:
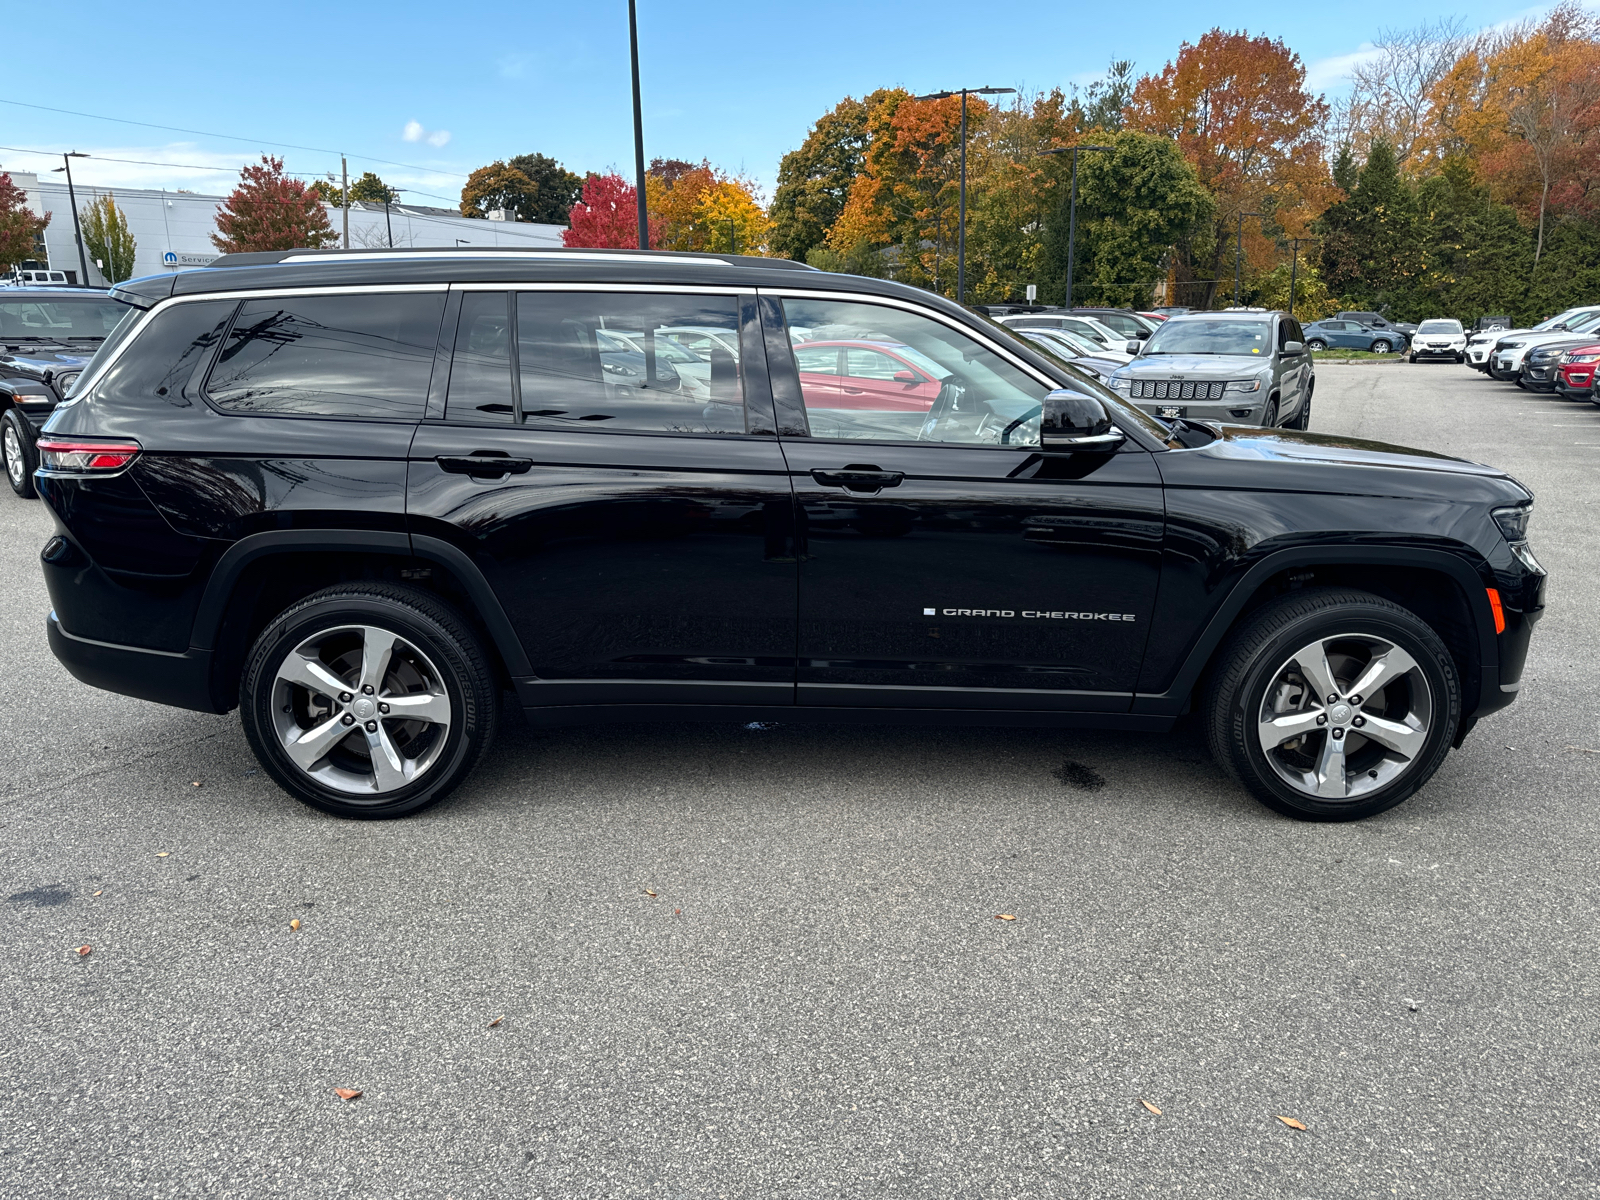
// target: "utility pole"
[[1072, 214], [638, 128], [1238, 254], [77, 229], [344, 172], [961, 231]]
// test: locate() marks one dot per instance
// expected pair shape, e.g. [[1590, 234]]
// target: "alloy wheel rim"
[[13, 453], [361, 710], [1344, 716]]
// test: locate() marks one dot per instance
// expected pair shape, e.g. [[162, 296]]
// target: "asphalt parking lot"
[[736, 962]]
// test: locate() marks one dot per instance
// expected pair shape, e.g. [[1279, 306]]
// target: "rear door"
[[636, 532]]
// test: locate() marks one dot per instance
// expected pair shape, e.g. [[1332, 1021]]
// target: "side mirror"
[[1074, 422], [905, 377], [1132, 347], [1294, 347]]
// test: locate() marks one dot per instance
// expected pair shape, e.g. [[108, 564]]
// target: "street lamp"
[[961, 227], [1294, 267], [638, 128], [1238, 252], [1072, 217], [72, 199]]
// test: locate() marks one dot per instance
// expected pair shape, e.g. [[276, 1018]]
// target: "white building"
[[172, 230]]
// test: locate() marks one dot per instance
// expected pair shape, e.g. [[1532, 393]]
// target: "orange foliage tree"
[[1239, 110], [703, 208]]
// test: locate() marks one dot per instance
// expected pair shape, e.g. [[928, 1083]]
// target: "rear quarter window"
[[160, 363], [330, 356]]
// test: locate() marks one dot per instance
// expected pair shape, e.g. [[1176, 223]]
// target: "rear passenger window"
[[651, 363], [330, 356]]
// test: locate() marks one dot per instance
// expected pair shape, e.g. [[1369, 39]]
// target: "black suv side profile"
[[364, 496]]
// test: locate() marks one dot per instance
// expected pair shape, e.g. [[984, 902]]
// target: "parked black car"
[[47, 335], [317, 486], [1538, 372]]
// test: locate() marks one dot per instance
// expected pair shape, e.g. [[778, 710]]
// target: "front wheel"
[[1316, 345], [1333, 705], [1381, 347], [368, 700], [17, 449]]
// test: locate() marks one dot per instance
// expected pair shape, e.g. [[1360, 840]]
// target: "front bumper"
[[1421, 351], [1241, 410], [1540, 378]]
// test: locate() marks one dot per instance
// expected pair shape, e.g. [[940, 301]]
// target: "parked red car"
[[879, 376], [1575, 371]]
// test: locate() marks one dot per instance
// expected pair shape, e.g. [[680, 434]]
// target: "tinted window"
[[161, 363], [76, 318], [330, 356], [1121, 323], [480, 368], [961, 391], [662, 364]]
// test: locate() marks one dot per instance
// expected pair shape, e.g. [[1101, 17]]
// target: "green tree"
[[556, 189], [1345, 170], [20, 227], [107, 238], [1103, 101], [814, 181], [372, 190], [1312, 300], [498, 186], [1372, 252], [1134, 204]]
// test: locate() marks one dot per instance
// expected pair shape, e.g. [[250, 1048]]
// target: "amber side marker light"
[[1499, 613], [87, 458]]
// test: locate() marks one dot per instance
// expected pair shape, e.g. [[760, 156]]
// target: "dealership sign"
[[173, 259]]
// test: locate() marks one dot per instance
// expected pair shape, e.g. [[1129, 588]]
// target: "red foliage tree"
[[19, 226], [270, 211], [607, 216]]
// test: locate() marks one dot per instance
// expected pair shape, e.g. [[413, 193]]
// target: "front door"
[[635, 528], [944, 561]]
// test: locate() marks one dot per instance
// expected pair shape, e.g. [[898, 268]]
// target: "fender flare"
[[214, 602], [1172, 700]]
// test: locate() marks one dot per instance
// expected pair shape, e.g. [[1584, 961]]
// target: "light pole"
[[1072, 215], [1294, 267], [638, 127], [72, 199], [1238, 253], [961, 228]]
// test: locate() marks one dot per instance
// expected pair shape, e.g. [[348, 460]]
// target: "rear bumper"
[[181, 680]]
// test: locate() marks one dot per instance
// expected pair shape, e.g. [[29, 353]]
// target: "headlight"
[[1244, 385], [1121, 385], [65, 382], [1583, 357], [1513, 522]]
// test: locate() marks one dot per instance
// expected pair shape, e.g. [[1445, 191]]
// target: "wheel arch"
[[262, 574], [1442, 588]]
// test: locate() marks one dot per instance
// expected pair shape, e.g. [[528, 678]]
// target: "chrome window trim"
[[86, 384]]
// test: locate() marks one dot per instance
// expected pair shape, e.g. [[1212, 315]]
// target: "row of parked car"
[[1557, 355]]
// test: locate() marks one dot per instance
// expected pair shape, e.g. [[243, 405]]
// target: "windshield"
[[1439, 327], [75, 317], [1557, 319], [1211, 337]]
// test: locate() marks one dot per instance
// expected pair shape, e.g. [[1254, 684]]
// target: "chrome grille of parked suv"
[[1164, 389]]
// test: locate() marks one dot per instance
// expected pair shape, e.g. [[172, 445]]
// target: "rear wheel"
[[1332, 705], [368, 700], [1302, 420], [17, 449]]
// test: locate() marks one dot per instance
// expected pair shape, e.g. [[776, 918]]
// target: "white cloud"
[[415, 131], [1331, 72]]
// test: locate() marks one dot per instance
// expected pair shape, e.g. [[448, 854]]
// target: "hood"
[[1290, 445], [39, 360], [1194, 366]]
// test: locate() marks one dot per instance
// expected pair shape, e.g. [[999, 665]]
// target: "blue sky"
[[446, 88]]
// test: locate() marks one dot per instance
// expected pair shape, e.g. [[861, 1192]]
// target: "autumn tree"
[[271, 211], [498, 186], [1238, 108], [701, 208], [107, 238], [556, 189], [20, 227], [814, 181], [606, 215]]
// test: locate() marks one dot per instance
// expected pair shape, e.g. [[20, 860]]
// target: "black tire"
[[1302, 420], [1381, 346], [439, 648], [1269, 419], [1254, 659], [1413, 359], [1460, 358], [17, 453], [1316, 345]]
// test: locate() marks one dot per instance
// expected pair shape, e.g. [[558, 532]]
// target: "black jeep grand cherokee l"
[[363, 495]]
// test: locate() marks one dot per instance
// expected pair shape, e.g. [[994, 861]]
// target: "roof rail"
[[265, 257]]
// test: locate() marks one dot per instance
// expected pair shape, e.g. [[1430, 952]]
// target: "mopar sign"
[[174, 260]]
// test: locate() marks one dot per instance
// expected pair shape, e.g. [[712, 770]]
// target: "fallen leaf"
[[1151, 1107], [83, 951], [162, 853], [347, 1093], [495, 1022], [1291, 1123], [677, 912], [101, 890], [1004, 917], [648, 892], [295, 924], [196, 783]]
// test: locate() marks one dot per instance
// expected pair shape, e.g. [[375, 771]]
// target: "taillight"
[[84, 458]]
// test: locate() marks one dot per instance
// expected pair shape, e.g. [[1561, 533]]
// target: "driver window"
[[906, 378]]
